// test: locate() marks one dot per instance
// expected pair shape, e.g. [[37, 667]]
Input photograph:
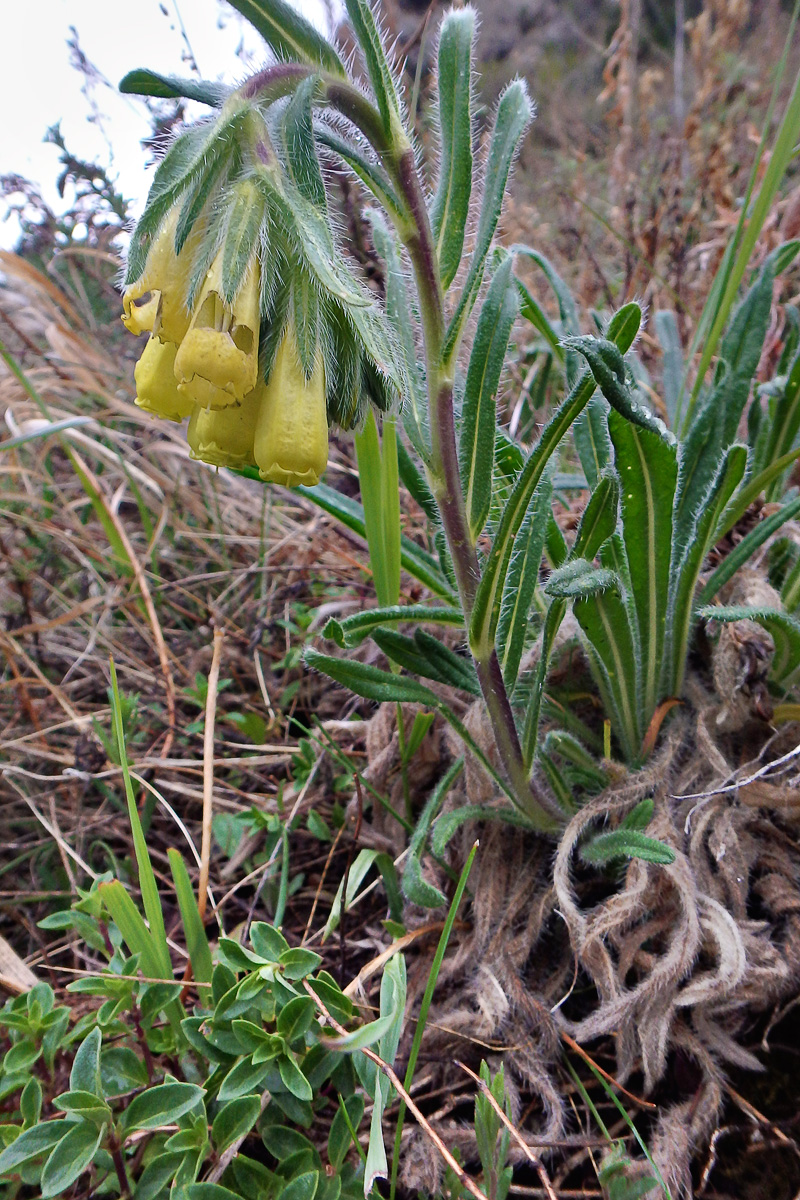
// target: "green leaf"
[[340, 1138], [267, 941], [128, 920], [83, 1104], [514, 113], [377, 473], [209, 1191], [365, 28], [486, 608], [450, 206], [294, 1079], [147, 880], [85, 1073], [521, 581], [301, 151], [299, 962], [70, 1158], [295, 1018], [302, 1187], [603, 848], [244, 1078], [604, 620], [479, 412], [244, 214], [688, 561], [290, 35], [449, 823], [599, 518], [351, 631], [415, 888], [750, 491], [234, 1120], [416, 562], [429, 658], [31, 1144], [745, 549], [194, 932], [161, 1105], [30, 1102], [370, 682], [783, 628], [144, 82], [366, 169], [579, 578], [648, 471], [668, 334]]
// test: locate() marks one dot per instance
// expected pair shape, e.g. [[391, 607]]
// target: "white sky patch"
[[39, 87]]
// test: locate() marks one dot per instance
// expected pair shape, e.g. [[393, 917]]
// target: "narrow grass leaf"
[[194, 932], [745, 549]]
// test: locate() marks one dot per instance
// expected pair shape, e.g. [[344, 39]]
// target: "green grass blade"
[[365, 27], [390, 508], [138, 937], [425, 1005], [196, 940], [746, 548], [147, 880]]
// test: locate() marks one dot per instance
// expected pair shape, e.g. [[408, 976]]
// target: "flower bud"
[[291, 438], [224, 437], [156, 303], [156, 389], [217, 363]]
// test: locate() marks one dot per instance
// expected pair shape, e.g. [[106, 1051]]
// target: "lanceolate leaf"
[[782, 426], [514, 113], [486, 609], [301, 151], [291, 36], [579, 578], [415, 888], [688, 559], [599, 519], [746, 548], [351, 631], [523, 574], [169, 87], [785, 631], [625, 843], [605, 622], [750, 491], [567, 309], [368, 171], [552, 623], [416, 484], [423, 655], [648, 469], [365, 28], [451, 202], [669, 336], [479, 413], [245, 214]]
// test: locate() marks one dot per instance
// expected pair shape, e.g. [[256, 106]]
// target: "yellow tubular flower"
[[224, 438], [217, 363], [156, 390], [156, 303], [291, 442]]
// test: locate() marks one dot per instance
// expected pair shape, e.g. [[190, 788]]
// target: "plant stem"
[[445, 479]]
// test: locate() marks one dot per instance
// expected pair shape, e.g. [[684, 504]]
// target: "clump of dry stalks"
[[664, 961]]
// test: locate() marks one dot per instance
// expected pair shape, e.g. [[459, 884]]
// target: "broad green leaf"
[[486, 609], [607, 364], [296, 1017], [479, 411], [784, 629], [745, 549], [70, 1158], [351, 631], [293, 1078], [297, 962], [289, 34], [302, 1187], [161, 1105], [234, 1120], [267, 941], [520, 585], [243, 1079], [450, 206], [380, 74], [86, 1105], [32, 1143], [648, 469], [144, 82], [85, 1073], [514, 113], [365, 1035], [194, 932]]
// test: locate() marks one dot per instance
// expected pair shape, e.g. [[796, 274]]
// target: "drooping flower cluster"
[[256, 335]]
